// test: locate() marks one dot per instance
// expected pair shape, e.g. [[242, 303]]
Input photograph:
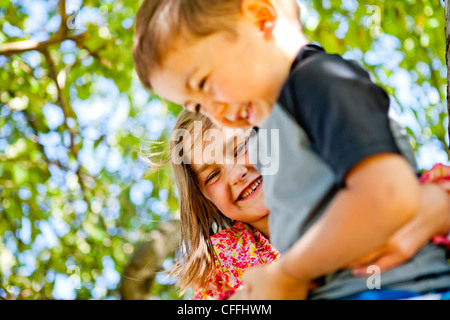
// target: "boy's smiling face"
[[234, 79]]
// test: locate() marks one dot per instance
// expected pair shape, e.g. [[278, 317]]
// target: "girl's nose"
[[237, 173]]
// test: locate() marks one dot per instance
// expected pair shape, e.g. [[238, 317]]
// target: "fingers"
[[269, 282], [384, 263], [445, 185], [239, 295], [368, 258]]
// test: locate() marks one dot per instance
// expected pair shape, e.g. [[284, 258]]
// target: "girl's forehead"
[[213, 146]]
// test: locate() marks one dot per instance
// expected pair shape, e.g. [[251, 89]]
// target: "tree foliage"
[[76, 197]]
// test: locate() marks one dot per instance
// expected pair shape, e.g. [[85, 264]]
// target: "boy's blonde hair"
[[200, 219], [159, 22]]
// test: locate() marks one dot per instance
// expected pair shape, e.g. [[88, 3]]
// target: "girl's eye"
[[211, 176]]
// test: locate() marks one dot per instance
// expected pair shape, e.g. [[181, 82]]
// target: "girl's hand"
[[440, 175], [432, 218], [392, 254], [270, 282]]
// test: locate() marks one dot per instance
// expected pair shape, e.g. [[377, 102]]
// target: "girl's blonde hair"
[[200, 219]]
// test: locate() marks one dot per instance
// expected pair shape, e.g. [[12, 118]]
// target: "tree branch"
[[62, 12], [140, 272], [61, 101], [94, 54], [66, 111], [61, 35], [11, 48]]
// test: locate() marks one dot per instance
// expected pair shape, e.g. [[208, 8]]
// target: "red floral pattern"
[[439, 174], [237, 249]]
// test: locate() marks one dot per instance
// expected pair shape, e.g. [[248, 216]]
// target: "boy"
[[343, 187]]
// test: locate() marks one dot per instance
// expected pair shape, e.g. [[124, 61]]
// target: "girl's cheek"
[[215, 192]]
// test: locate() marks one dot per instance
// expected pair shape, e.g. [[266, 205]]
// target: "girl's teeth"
[[252, 188]]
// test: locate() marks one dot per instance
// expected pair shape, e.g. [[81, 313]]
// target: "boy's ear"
[[262, 12]]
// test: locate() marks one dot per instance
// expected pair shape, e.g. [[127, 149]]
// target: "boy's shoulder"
[[342, 111], [315, 66], [320, 81]]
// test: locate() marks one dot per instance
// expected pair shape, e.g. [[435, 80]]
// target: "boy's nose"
[[215, 110], [223, 114]]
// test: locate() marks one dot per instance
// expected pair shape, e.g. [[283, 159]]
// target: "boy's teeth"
[[244, 113], [252, 188]]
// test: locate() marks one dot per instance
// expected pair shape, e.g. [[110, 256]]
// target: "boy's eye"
[[192, 107], [201, 84]]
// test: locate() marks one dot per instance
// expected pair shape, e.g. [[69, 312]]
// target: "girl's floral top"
[[237, 249], [439, 174]]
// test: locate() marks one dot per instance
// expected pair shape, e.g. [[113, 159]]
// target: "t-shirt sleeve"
[[343, 112]]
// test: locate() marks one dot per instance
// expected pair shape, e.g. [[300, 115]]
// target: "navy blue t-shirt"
[[329, 117], [343, 112]]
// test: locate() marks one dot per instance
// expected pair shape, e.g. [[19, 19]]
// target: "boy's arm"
[[345, 116], [381, 194], [431, 221]]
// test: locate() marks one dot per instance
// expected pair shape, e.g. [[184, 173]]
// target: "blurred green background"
[[82, 213]]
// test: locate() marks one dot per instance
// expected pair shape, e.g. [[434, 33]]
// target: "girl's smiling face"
[[234, 187]]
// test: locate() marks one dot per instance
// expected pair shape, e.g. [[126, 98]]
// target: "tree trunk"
[[139, 274]]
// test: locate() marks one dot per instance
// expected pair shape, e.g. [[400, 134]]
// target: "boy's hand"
[[432, 218], [270, 282]]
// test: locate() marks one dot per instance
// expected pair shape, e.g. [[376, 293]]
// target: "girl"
[[224, 222], [209, 260]]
